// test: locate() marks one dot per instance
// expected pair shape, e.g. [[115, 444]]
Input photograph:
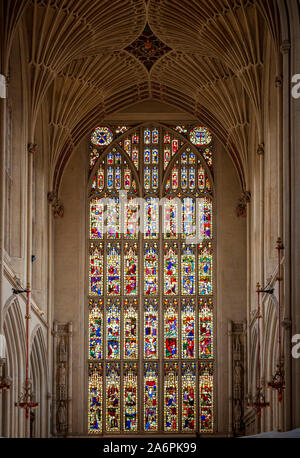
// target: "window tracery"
[[151, 280]]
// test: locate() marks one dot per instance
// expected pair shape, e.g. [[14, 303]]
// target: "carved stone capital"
[[57, 206], [242, 205], [261, 149], [32, 148]]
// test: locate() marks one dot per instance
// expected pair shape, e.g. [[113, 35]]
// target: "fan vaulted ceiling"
[[211, 67]]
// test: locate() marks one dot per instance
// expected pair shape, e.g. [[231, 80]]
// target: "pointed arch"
[[40, 380], [14, 332]]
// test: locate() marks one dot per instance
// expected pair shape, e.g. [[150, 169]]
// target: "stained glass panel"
[[205, 217], [205, 270], [135, 139], [113, 270], [171, 330], [200, 136], [102, 136], [151, 226], [147, 157], [184, 178], [188, 270], [154, 178], [135, 157], [131, 221], [147, 179], [100, 179], [155, 156], [110, 178], [127, 146], [206, 398], [118, 178], [151, 329], [171, 398], [151, 397], [130, 270], [167, 157], [113, 219], [151, 270], [112, 398], [188, 329], [96, 329], [155, 136], [171, 270], [94, 156], [188, 397], [175, 182], [95, 398], [130, 398], [130, 330], [113, 330], [96, 270], [96, 219], [127, 179], [189, 218], [206, 328], [147, 136], [171, 218]]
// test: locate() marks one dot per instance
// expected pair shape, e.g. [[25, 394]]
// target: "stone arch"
[[39, 377], [14, 332]]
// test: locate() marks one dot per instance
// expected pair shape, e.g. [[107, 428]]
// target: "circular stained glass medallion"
[[200, 136], [102, 136]]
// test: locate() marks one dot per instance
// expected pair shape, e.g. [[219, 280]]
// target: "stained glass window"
[[151, 280]]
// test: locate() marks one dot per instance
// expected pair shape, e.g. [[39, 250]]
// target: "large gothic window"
[[151, 282]]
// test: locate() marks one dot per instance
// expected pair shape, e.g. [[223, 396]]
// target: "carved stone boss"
[[62, 397]]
